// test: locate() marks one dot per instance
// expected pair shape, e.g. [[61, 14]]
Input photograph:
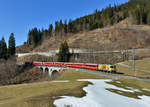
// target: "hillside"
[[116, 25], [121, 35]]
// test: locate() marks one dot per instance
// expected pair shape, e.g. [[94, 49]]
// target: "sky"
[[18, 16]]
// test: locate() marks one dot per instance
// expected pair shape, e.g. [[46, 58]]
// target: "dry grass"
[[30, 75], [128, 71], [77, 75], [44, 93], [140, 65], [31, 95]]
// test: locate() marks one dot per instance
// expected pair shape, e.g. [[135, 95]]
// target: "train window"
[[112, 66]]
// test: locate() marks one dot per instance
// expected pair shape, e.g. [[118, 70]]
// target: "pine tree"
[[64, 54], [56, 27], [35, 37], [50, 29], [70, 26], [3, 49], [60, 24], [4, 45], [65, 27], [12, 45]]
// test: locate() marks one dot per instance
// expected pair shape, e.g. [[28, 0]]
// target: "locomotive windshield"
[[112, 66]]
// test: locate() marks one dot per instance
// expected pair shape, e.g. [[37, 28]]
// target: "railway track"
[[111, 75]]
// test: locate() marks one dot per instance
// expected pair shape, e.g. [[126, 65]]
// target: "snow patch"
[[118, 82], [61, 81], [98, 96], [146, 89], [134, 90]]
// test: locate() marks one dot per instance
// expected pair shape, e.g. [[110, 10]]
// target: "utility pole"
[[133, 61]]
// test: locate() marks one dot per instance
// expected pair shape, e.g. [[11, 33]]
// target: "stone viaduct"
[[51, 70]]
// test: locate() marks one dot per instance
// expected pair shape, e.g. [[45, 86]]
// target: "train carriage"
[[98, 67]]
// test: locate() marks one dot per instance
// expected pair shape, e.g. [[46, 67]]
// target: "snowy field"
[[98, 96]]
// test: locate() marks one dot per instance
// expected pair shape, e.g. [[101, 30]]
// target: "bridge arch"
[[41, 68], [47, 70], [54, 73]]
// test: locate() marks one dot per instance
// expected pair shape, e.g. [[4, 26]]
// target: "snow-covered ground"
[[98, 96], [61, 81]]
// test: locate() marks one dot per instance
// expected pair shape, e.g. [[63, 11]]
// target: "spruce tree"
[[35, 37], [12, 45], [65, 27], [4, 46], [50, 29], [70, 26], [3, 49], [64, 54]]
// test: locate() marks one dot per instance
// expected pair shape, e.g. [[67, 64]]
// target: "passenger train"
[[98, 67]]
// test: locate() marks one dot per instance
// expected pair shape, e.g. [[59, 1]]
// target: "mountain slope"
[[121, 35], [117, 26]]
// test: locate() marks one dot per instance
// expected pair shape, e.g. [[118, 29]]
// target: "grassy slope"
[[43, 94], [128, 71], [143, 64]]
